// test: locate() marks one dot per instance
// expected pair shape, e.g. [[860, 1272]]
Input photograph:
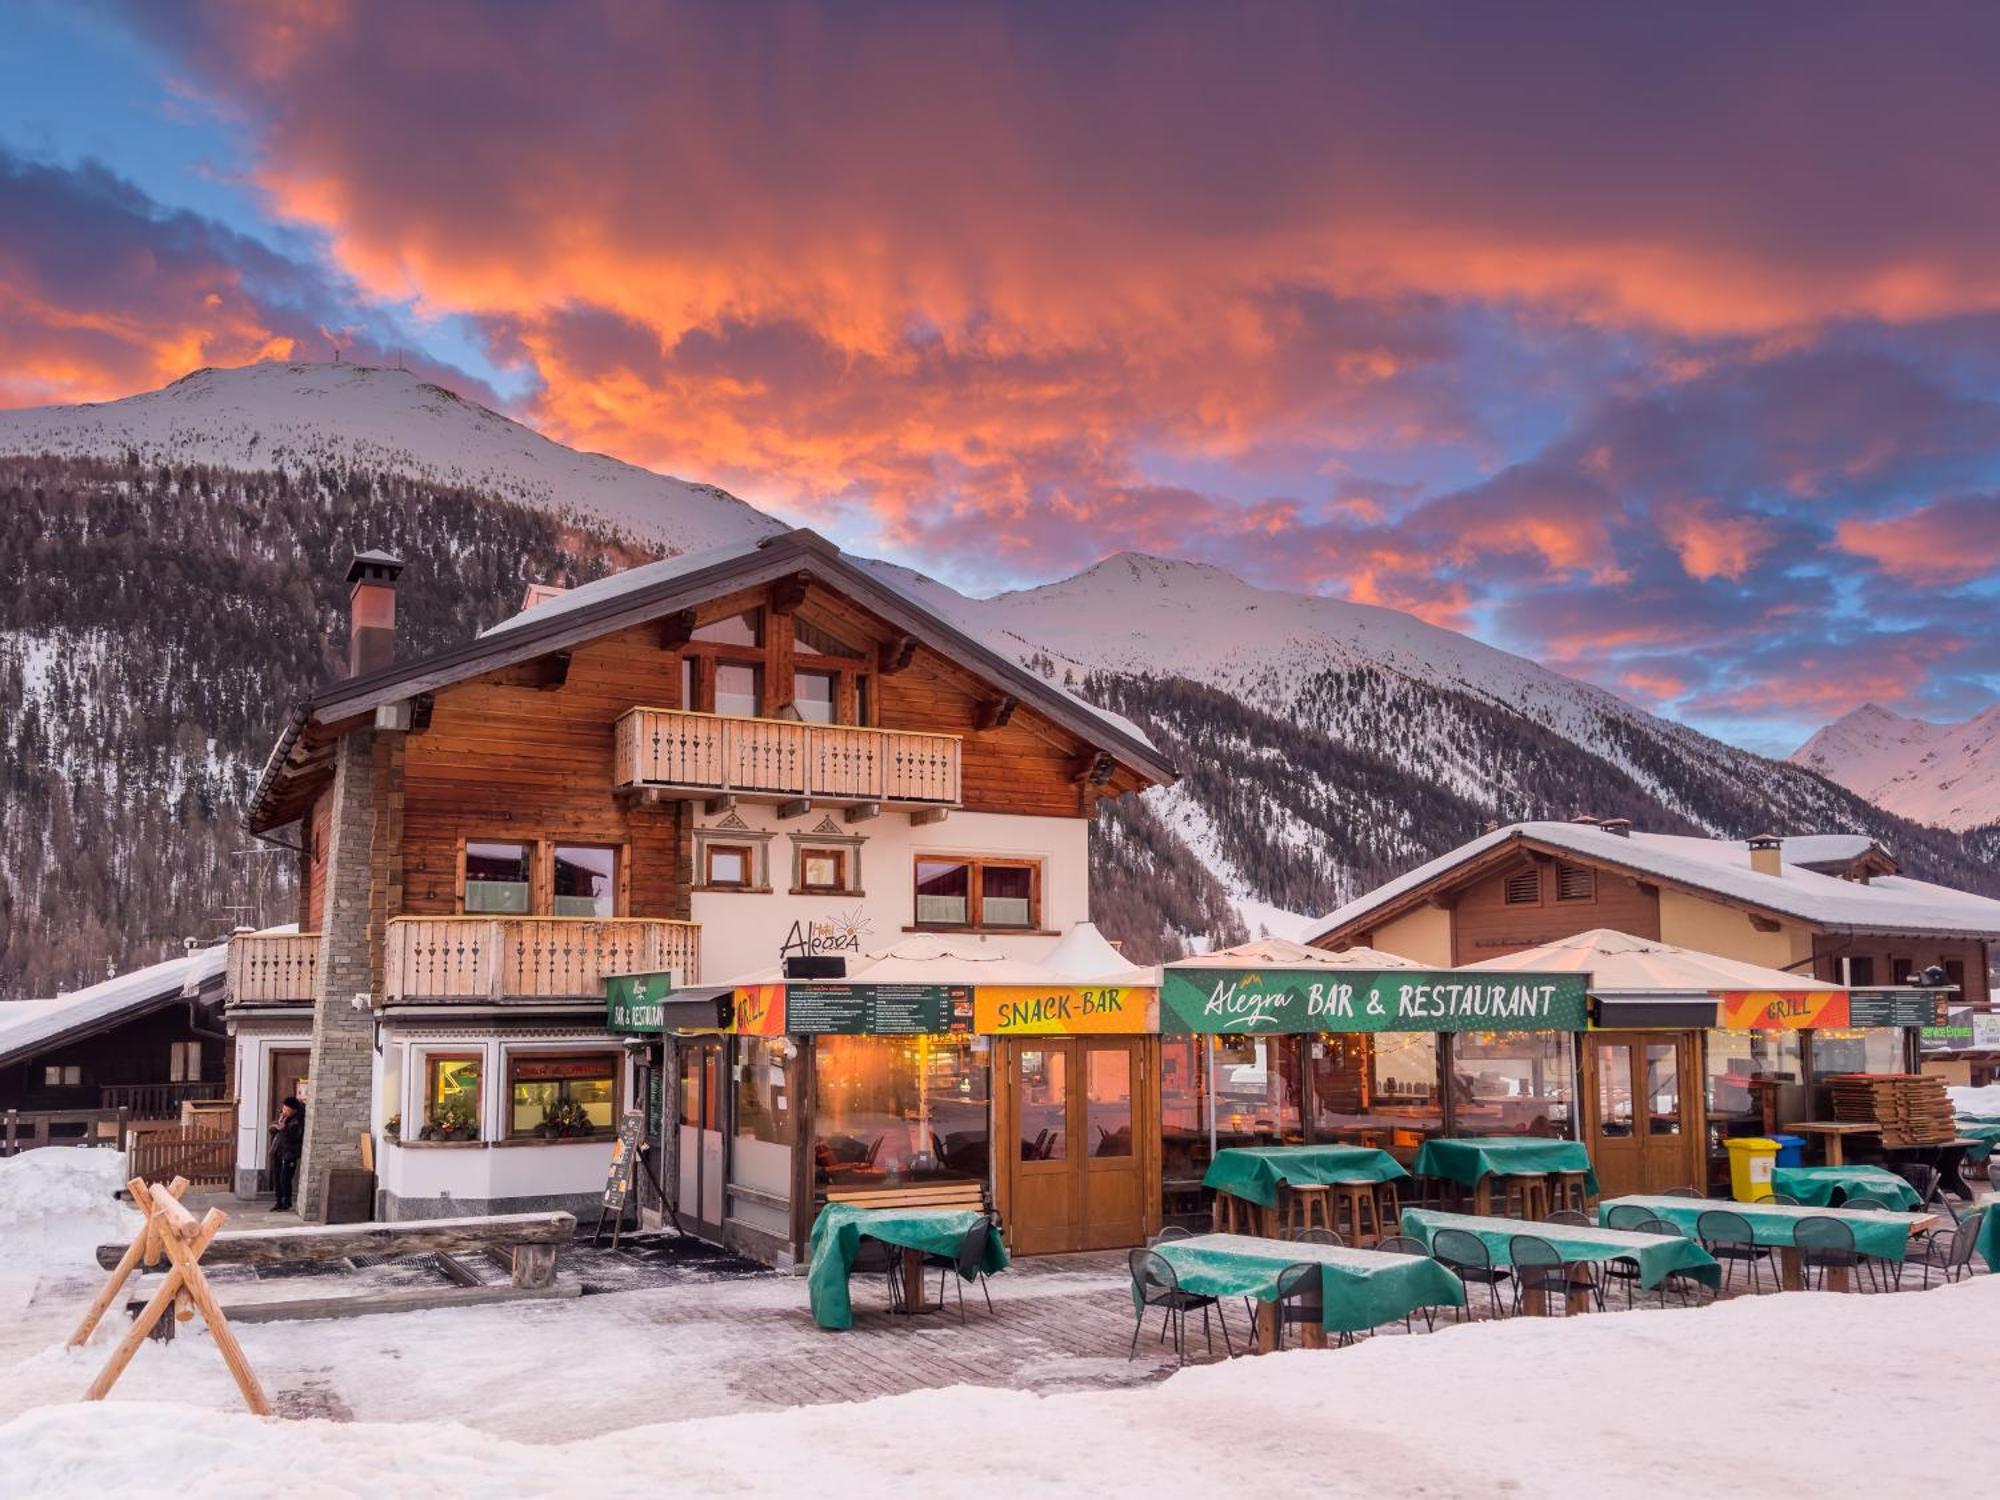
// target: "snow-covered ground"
[[682, 1391]]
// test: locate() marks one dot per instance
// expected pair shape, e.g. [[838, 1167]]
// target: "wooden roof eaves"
[[776, 557]]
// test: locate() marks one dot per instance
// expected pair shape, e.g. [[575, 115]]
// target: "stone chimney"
[[371, 612], [1767, 854]]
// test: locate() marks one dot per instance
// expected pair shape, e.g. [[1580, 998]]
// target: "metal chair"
[[1626, 1216], [1826, 1244], [1682, 1192], [1172, 1232], [1402, 1244], [1154, 1284], [1872, 1203], [1569, 1216], [1466, 1256], [1948, 1251], [1925, 1180], [1298, 1299], [1316, 1235], [1689, 1286], [1539, 1267], [968, 1262], [1783, 1200], [1728, 1237], [873, 1257]]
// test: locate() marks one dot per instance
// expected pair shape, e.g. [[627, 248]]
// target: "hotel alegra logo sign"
[[1264, 1001]]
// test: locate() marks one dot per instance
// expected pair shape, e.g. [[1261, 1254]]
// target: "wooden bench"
[[970, 1195], [530, 1241]]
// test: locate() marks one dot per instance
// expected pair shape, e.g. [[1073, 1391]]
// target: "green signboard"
[[876, 1009], [1892, 1008], [632, 1001], [1266, 1001]]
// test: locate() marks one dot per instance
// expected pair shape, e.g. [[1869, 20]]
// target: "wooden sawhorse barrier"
[[170, 1230]]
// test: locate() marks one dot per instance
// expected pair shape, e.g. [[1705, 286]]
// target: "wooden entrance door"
[[290, 1067], [1643, 1110], [1077, 1135]]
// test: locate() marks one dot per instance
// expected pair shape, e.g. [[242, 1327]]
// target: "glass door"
[[1643, 1111], [699, 1200]]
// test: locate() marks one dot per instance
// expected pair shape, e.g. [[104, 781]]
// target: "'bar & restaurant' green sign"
[[1268, 1001], [632, 1001]]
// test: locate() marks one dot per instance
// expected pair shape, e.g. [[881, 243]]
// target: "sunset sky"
[[1658, 343]]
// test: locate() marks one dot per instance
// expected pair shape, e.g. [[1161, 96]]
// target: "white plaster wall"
[[487, 1170], [744, 932], [255, 1108]]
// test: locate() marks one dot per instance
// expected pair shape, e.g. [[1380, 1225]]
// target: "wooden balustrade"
[[273, 968], [781, 759], [154, 1101], [497, 959]]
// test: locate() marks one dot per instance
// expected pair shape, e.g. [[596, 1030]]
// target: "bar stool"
[[1304, 1203], [1356, 1201], [1222, 1214], [1571, 1191], [1530, 1192], [1389, 1207]]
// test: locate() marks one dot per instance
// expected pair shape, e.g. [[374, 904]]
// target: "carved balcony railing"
[[780, 760], [516, 959], [273, 968]]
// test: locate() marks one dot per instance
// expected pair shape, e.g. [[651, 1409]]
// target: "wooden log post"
[[534, 1265], [144, 1247]]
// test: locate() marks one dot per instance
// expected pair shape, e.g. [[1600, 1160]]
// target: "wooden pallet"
[[1911, 1109]]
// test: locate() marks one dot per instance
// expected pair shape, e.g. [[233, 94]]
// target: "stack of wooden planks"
[[1911, 1108]]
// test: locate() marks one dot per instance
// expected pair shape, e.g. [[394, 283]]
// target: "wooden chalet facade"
[[701, 767], [1830, 907]]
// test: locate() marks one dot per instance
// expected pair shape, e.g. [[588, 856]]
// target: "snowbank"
[[56, 1207], [1753, 1398], [1971, 1101]]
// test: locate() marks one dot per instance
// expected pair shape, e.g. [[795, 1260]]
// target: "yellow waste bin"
[[1751, 1158]]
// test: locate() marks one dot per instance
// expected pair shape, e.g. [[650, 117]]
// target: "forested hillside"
[[158, 622]]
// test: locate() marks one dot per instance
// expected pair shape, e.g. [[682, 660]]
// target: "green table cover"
[[1984, 1134], [1989, 1234], [1817, 1185], [1254, 1173], [836, 1236], [1657, 1255], [1359, 1289], [1470, 1158], [1881, 1234]]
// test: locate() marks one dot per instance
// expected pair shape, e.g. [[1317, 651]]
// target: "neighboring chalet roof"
[[1719, 868], [1279, 953], [660, 588], [1621, 964], [41, 1024]]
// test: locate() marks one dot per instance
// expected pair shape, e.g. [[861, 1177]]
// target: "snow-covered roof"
[[1619, 963], [1888, 903], [631, 581], [109, 1002], [1278, 953]]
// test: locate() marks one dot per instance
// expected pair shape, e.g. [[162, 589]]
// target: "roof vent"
[[1767, 854], [1586, 819], [541, 593], [1620, 826]]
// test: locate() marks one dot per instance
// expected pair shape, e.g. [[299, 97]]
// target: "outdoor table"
[[1984, 1135], [1832, 1133], [1253, 1174], [1657, 1255], [1471, 1160], [1947, 1158], [1817, 1185], [837, 1234], [1883, 1235], [1359, 1289], [1988, 1243]]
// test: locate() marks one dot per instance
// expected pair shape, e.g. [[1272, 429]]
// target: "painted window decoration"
[[451, 1098], [184, 1062], [823, 869], [977, 893], [562, 1098], [728, 866], [739, 689], [496, 878], [585, 882]]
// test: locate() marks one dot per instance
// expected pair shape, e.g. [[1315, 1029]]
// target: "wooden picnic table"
[[1255, 1175], [1657, 1256], [1832, 1133], [1881, 1235]]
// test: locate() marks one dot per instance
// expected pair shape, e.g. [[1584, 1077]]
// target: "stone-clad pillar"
[[343, 1050]]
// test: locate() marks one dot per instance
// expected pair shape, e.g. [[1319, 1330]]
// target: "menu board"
[[624, 1159], [876, 1009], [1892, 1008]]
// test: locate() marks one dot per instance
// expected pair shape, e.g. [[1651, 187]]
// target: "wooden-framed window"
[[745, 629], [184, 1062], [499, 877], [1575, 883], [978, 892], [561, 1096], [822, 869], [62, 1075], [1524, 887], [815, 695], [1861, 970], [584, 880], [452, 1096], [729, 866], [739, 689]]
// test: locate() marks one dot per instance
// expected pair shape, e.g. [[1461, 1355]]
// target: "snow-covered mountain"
[[1946, 774], [299, 416]]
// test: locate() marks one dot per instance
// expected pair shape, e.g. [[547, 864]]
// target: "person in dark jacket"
[[288, 1144]]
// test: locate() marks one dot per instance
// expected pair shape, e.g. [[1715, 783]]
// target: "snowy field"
[[683, 1391]]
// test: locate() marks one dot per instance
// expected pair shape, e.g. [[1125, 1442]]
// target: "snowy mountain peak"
[[1946, 774], [294, 416]]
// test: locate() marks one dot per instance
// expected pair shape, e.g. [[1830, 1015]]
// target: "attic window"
[[746, 629], [1524, 887], [1576, 883]]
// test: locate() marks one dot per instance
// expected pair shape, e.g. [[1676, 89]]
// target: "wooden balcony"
[[154, 1101], [513, 960], [273, 968], [778, 760]]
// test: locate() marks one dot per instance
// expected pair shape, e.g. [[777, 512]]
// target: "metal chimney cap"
[[375, 566], [1766, 841]]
